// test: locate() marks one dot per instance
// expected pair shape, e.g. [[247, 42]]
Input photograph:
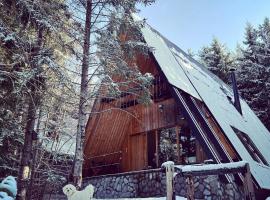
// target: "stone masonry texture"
[[152, 183]]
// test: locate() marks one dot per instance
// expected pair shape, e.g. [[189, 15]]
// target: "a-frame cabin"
[[188, 99]]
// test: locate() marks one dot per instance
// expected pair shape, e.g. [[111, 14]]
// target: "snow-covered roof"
[[185, 73]]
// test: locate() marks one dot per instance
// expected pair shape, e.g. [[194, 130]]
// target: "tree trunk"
[[34, 157], [78, 162], [24, 173], [26, 159]]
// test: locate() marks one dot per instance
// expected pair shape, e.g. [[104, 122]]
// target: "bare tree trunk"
[[34, 156], [78, 162], [24, 173], [26, 159], [39, 118]]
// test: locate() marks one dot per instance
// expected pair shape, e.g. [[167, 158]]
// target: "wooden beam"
[[197, 130], [190, 171], [213, 172], [145, 150], [213, 169], [169, 168], [177, 130], [190, 188], [200, 128], [248, 186], [104, 155], [157, 147]]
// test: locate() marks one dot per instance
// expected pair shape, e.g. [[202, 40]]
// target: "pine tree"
[[217, 59], [98, 14], [254, 70], [34, 42], [30, 38], [118, 46]]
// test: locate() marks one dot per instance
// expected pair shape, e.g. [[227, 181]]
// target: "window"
[[129, 104], [160, 89], [250, 147], [107, 100]]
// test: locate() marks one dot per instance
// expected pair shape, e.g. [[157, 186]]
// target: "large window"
[[168, 149], [250, 147]]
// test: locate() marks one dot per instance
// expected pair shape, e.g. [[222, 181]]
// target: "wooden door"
[[138, 156], [151, 149]]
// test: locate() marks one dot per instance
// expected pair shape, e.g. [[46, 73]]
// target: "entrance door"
[[151, 149], [138, 152]]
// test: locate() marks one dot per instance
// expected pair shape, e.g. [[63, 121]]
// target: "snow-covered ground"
[[152, 198]]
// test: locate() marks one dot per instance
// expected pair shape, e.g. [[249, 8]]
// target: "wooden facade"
[[190, 119], [123, 135]]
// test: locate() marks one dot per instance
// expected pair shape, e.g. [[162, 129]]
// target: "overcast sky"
[[193, 23]]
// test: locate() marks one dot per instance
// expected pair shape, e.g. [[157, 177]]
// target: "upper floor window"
[[250, 147], [160, 89]]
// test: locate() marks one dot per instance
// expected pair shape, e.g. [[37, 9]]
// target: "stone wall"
[[54, 197], [210, 188], [152, 183]]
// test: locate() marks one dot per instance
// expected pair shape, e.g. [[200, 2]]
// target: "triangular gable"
[[175, 75], [188, 75]]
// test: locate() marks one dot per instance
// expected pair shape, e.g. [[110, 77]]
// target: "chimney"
[[237, 104]]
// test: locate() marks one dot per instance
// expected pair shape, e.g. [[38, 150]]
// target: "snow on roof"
[[175, 75], [185, 73]]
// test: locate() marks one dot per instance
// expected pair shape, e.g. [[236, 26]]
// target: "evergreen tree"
[[254, 70], [118, 46], [31, 37], [217, 59], [98, 14], [34, 44]]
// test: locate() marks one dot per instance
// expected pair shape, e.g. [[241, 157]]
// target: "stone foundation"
[[54, 197], [152, 183], [209, 187]]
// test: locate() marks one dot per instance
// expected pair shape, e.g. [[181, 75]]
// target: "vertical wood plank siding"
[[118, 137]]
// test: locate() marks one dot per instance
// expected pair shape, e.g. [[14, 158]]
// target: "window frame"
[[250, 147]]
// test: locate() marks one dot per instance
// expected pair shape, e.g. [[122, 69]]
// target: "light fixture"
[[161, 107]]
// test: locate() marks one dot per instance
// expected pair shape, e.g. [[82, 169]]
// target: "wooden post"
[[190, 188], [177, 129], [169, 165], [248, 185], [157, 147]]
